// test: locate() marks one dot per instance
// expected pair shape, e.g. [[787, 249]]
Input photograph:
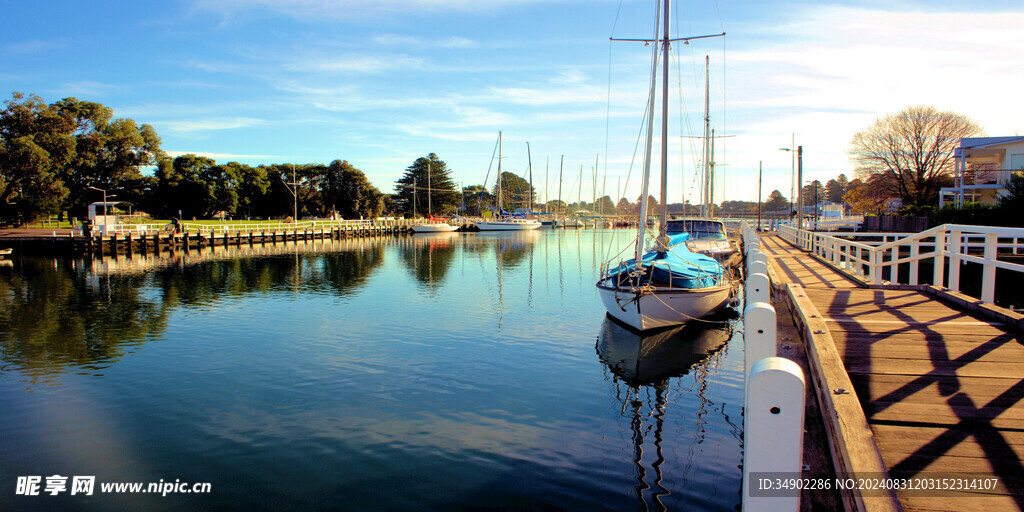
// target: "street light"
[[792, 170], [800, 179]]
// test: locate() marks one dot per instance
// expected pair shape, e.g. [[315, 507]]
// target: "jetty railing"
[[877, 263]]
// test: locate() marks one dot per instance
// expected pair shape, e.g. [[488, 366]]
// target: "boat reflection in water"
[[646, 365]]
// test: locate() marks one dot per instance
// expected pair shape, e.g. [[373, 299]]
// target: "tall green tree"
[[835, 189], [442, 194], [52, 154], [349, 193], [516, 192], [477, 199], [776, 202], [812, 191]]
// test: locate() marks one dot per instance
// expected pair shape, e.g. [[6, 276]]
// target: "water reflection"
[[429, 255], [643, 365], [82, 315], [54, 317], [511, 247]]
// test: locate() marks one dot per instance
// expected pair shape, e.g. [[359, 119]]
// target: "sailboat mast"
[[705, 187], [663, 222], [641, 224], [430, 208], [499, 175], [529, 161], [711, 176], [560, 163]]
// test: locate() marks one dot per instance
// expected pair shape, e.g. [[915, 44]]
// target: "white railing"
[[953, 241]]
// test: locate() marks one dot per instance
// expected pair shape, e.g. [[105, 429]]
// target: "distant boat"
[[436, 225], [572, 222], [667, 285], [502, 220]]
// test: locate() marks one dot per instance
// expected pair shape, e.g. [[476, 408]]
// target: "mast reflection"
[[642, 365]]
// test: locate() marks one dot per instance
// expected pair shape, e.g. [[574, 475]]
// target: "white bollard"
[[758, 288], [758, 256], [773, 434], [758, 333], [752, 244], [757, 267]]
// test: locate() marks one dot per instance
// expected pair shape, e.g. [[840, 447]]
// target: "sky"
[[381, 83]]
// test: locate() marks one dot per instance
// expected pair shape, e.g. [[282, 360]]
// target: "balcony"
[[989, 178]]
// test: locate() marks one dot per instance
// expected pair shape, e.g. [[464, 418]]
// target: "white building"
[[984, 166]]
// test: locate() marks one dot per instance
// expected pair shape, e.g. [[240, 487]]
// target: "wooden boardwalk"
[[942, 390]]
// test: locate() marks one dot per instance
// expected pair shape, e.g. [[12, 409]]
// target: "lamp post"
[[795, 153], [104, 190]]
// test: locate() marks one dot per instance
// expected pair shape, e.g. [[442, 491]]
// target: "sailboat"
[[502, 220], [435, 225], [667, 285], [708, 234]]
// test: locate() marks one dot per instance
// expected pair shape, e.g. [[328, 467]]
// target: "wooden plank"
[[924, 367], [959, 504], [853, 447], [959, 352], [931, 389]]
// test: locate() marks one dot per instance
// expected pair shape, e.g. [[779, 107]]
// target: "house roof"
[[987, 142]]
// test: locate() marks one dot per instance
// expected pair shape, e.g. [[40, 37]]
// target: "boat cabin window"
[[698, 229]]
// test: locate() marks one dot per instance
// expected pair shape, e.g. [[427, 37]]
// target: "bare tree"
[[911, 152]]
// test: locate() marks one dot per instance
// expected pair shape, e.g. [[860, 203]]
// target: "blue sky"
[[382, 82]]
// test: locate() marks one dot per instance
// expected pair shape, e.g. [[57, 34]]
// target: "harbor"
[[417, 372]]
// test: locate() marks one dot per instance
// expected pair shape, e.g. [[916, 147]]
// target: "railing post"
[[915, 249], [988, 274], [894, 268], [874, 265], [938, 274], [954, 260], [773, 433]]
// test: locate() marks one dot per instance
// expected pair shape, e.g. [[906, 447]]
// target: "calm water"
[[471, 371]]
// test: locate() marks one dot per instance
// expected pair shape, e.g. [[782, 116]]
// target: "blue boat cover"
[[678, 266]]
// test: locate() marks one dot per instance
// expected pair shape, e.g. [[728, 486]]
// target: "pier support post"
[[773, 434]]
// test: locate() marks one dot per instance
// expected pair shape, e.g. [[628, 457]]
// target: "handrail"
[[946, 241]]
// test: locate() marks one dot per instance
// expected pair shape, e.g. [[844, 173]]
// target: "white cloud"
[[350, 10], [210, 124], [216, 156]]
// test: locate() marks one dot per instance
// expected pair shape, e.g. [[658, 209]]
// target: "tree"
[[809, 191], [865, 198], [477, 199], [349, 193], [52, 154], [652, 205], [1012, 203], [443, 194], [515, 191], [605, 206], [776, 202], [625, 207], [912, 151], [836, 189]]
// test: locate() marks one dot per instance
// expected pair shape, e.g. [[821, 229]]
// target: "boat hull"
[[507, 225], [661, 307], [433, 228]]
